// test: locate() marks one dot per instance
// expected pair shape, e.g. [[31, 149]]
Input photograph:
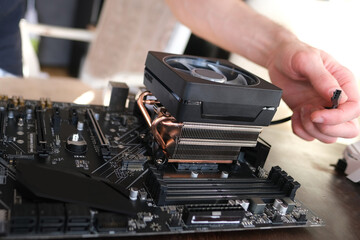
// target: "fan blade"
[[239, 80], [187, 65], [182, 70], [229, 73], [179, 64], [213, 67]]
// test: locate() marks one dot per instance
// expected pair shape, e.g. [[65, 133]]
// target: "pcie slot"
[[103, 141], [42, 144], [2, 124]]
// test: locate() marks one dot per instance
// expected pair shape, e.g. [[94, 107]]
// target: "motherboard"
[[71, 171]]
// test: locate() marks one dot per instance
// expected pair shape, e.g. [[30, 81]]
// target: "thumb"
[[309, 64]]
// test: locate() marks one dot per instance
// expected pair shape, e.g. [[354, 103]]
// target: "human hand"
[[308, 77]]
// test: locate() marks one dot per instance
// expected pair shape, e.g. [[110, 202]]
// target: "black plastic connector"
[[78, 218], [212, 214], [51, 218], [335, 98], [24, 218]]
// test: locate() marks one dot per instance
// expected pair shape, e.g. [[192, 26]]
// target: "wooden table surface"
[[330, 195], [56, 88]]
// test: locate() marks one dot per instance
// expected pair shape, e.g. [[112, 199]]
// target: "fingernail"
[[331, 91], [318, 120]]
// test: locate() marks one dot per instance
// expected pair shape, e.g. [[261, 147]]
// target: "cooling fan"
[[195, 89], [211, 71]]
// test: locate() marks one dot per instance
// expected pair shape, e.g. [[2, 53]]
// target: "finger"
[[344, 113], [310, 127], [343, 75], [298, 128], [349, 85], [345, 130], [309, 64]]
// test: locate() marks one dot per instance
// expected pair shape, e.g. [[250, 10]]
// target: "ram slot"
[[98, 134], [167, 190], [42, 144]]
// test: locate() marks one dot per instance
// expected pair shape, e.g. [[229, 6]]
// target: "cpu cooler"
[[205, 109]]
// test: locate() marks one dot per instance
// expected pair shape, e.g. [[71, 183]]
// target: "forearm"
[[232, 25]]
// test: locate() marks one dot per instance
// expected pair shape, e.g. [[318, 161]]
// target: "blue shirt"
[[11, 11]]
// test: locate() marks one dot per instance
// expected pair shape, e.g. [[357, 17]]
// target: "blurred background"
[[122, 31], [95, 41]]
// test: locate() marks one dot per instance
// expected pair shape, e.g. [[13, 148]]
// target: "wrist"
[[282, 37]]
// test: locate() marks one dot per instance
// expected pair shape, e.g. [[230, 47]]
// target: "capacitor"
[[107, 117], [29, 113], [277, 203], [143, 194], [57, 140], [283, 208], [11, 114], [123, 120], [133, 193], [21, 101], [243, 203], [80, 126], [42, 103], [76, 144], [15, 100], [257, 205], [20, 122], [97, 116], [224, 174], [48, 103], [194, 174]]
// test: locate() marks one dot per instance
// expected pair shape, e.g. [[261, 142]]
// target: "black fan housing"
[[197, 89]]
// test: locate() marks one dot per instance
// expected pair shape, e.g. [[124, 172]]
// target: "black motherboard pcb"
[[71, 171]]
